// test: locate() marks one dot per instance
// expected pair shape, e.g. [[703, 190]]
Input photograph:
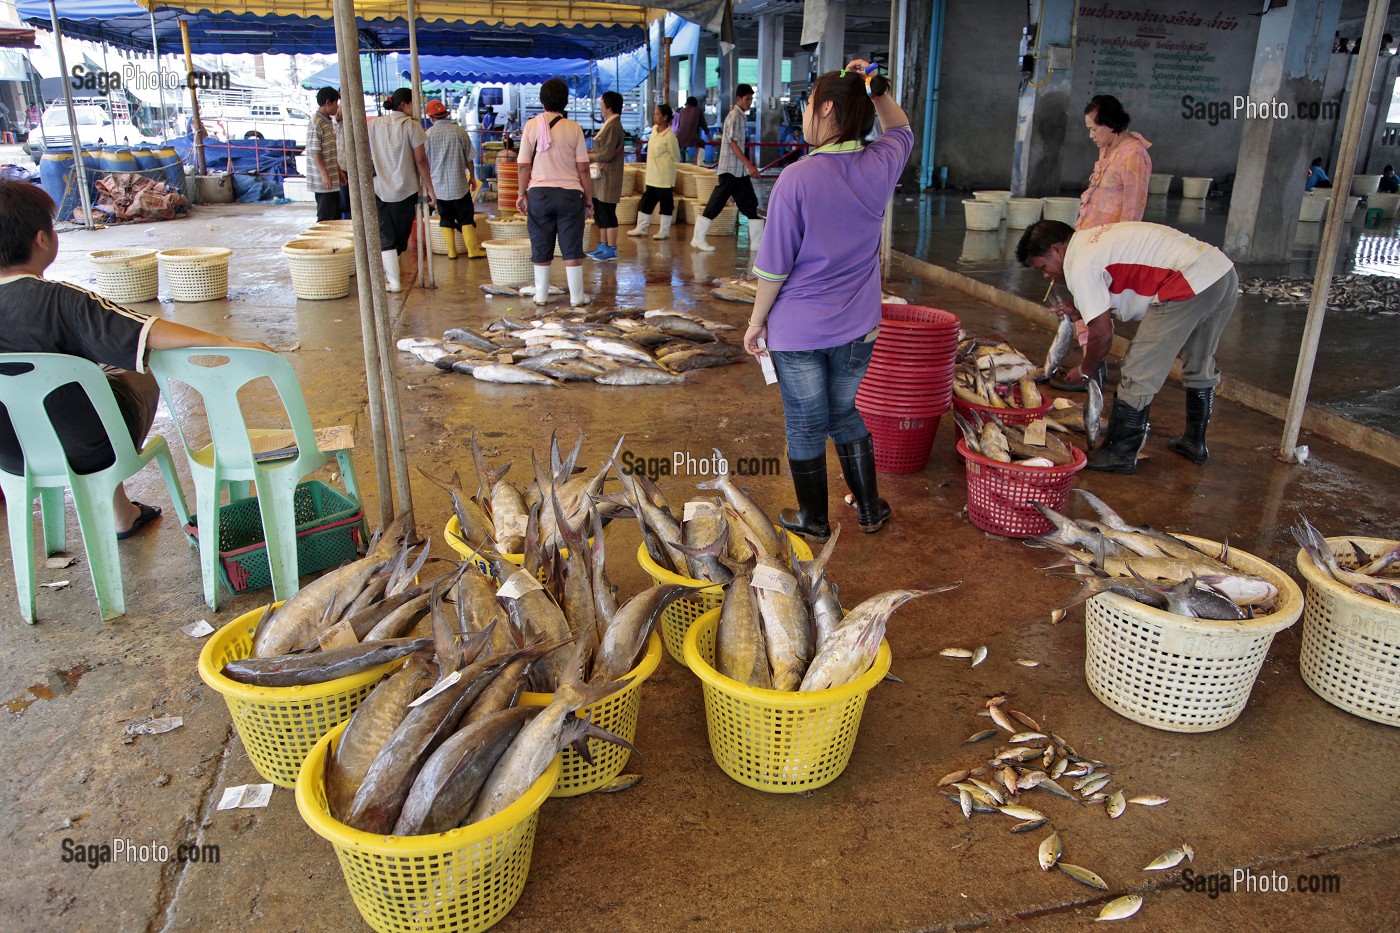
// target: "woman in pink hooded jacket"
[[1118, 188]]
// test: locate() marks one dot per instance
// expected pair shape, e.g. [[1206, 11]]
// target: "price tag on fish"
[[771, 578], [517, 585], [1035, 433], [699, 508], [340, 635], [440, 686], [246, 797], [518, 525]]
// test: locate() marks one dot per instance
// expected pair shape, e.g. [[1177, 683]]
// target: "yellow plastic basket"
[[196, 273], [279, 725], [1351, 643], [462, 880], [774, 740], [126, 276], [1177, 673], [677, 618], [617, 714], [452, 534]]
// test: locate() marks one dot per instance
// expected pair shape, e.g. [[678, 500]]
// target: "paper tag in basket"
[[516, 526], [699, 508], [440, 686], [1035, 433], [340, 635], [771, 578], [246, 797], [517, 585]]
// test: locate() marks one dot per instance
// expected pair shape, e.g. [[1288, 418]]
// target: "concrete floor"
[[1295, 786], [1261, 344]]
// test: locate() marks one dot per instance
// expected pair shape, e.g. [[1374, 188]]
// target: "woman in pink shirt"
[[1118, 188], [556, 192]]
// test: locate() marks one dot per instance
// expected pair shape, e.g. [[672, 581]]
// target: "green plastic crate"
[[328, 535]]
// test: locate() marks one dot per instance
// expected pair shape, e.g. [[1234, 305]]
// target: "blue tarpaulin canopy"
[[123, 24]]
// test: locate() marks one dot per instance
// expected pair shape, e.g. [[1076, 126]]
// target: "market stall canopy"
[[301, 30], [13, 36]]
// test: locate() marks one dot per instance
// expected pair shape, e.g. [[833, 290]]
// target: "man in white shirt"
[[396, 142], [1182, 290]]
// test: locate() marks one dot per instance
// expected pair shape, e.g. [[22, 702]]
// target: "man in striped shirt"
[[1182, 290], [323, 174], [40, 316], [735, 176]]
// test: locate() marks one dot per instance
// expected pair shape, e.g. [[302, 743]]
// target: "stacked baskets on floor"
[[320, 267], [908, 385], [126, 276], [627, 210], [196, 273], [1000, 495], [726, 222], [507, 185]]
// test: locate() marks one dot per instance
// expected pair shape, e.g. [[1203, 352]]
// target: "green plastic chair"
[[47, 474], [228, 461]]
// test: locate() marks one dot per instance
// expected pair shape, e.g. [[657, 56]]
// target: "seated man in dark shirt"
[[1390, 183], [40, 316]]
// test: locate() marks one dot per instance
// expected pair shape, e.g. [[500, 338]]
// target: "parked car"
[[268, 119], [96, 127]]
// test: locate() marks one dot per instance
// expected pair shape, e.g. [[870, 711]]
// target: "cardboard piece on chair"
[[281, 444]]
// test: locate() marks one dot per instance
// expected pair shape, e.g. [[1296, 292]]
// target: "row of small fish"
[[1029, 445], [1370, 294], [1151, 567], [607, 347], [1373, 575]]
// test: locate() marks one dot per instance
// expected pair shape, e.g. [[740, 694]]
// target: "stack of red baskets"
[[909, 384]]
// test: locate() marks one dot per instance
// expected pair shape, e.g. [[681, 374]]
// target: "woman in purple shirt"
[[818, 302]]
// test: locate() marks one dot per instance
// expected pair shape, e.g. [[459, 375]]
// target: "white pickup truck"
[[96, 127]]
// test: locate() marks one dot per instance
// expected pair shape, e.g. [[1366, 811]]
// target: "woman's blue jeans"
[[819, 395]]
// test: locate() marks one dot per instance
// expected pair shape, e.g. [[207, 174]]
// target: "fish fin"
[[577, 732], [1105, 512], [577, 695], [713, 549]]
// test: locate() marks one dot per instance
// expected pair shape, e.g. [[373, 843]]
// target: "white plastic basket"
[[196, 273], [590, 239], [320, 267], [1176, 673], [1313, 207], [126, 276], [315, 232], [438, 240], [517, 228], [509, 261], [627, 210], [1349, 204], [1159, 184], [1195, 188], [1365, 185], [1065, 210], [705, 183], [1386, 202], [1351, 643], [1022, 212], [982, 215]]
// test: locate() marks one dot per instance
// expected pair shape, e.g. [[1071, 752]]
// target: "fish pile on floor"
[[1373, 575], [1035, 759], [744, 290], [606, 347], [1030, 445], [1151, 567], [1371, 294]]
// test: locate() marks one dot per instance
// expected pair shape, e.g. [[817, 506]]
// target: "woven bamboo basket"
[[726, 223], [320, 267], [627, 210]]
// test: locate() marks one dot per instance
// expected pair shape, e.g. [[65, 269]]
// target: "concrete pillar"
[[1290, 68], [770, 77], [1043, 112], [831, 51], [699, 77], [678, 93]]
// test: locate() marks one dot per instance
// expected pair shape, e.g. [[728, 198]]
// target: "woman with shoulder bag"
[[556, 193], [606, 172]]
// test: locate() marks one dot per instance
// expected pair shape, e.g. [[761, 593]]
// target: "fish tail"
[[713, 549], [577, 732], [577, 696]]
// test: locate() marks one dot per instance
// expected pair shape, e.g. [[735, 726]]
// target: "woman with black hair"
[[1118, 188], [818, 304], [663, 154], [556, 192], [607, 156]]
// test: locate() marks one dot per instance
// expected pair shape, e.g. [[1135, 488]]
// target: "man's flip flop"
[[149, 513]]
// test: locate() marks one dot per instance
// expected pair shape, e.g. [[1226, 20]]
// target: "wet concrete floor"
[[1352, 377], [1295, 786]]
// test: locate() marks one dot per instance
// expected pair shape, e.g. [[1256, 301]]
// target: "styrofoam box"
[[295, 188]]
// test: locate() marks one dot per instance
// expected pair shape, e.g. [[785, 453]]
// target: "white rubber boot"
[[574, 275], [702, 227], [755, 235], [391, 270], [542, 286], [665, 232], [643, 225]]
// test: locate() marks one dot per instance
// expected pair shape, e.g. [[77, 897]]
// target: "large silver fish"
[[1059, 348], [1093, 413], [851, 649]]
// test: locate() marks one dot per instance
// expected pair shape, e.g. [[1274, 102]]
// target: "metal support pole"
[[896, 37], [424, 250], [160, 78], [666, 68], [79, 170], [364, 215], [1362, 74], [931, 85], [198, 125]]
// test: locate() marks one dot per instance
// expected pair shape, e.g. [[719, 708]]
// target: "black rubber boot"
[[809, 482], [1192, 443], [1127, 431], [858, 465]]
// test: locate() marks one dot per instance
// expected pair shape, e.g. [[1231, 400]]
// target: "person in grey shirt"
[[451, 165], [323, 174], [735, 176], [396, 145]]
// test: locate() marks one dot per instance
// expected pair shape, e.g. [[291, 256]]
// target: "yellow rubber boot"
[[474, 250], [449, 237]]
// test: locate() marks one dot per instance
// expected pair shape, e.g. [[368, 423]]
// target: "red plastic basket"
[[917, 314], [999, 495], [1007, 415], [902, 444]]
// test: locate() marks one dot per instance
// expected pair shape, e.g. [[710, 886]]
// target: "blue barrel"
[[56, 178], [146, 159], [114, 159], [169, 159]]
